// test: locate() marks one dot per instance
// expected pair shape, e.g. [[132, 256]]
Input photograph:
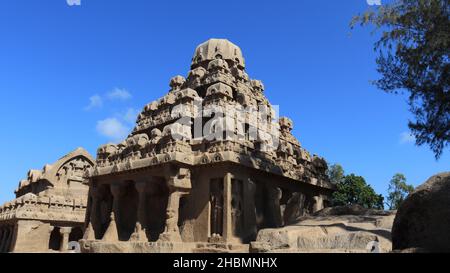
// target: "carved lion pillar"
[[139, 233], [172, 232], [112, 233], [65, 232], [179, 184]]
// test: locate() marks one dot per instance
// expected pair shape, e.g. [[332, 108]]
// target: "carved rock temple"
[[197, 174], [50, 207]]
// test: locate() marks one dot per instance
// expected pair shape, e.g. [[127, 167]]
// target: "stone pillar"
[[116, 191], [65, 232], [179, 184], [318, 203], [112, 232], [274, 196], [89, 233], [95, 213], [139, 233], [172, 232], [227, 230]]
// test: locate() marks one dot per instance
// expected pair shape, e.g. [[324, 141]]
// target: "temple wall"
[[240, 205], [200, 196], [32, 236], [197, 211]]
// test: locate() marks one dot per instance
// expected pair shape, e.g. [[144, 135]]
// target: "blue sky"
[[75, 76]]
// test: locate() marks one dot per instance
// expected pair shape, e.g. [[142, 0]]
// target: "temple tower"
[[209, 163]]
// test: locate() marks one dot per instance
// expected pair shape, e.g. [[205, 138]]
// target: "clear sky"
[[75, 76]]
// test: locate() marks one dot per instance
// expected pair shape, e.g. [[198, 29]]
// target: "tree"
[[398, 191], [413, 55], [336, 173], [354, 190]]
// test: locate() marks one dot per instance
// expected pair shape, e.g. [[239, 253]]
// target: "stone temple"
[[50, 207], [206, 167]]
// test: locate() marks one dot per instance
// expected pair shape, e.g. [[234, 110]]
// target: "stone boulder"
[[338, 229], [423, 219]]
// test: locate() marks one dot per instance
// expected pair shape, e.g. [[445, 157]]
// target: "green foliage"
[[354, 190], [413, 55], [398, 191], [336, 173]]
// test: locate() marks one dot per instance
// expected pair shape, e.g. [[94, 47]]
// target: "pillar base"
[[170, 237], [65, 231], [111, 234], [89, 234]]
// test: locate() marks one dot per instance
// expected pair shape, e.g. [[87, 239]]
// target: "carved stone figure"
[[177, 82]]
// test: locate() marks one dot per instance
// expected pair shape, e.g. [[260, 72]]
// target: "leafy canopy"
[[354, 190], [398, 191], [413, 56], [336, 173]]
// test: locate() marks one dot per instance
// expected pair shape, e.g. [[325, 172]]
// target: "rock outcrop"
[[337, 229], [423, 220]]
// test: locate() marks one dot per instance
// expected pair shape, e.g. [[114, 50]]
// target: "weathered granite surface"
[[337, 229], [422, 223]]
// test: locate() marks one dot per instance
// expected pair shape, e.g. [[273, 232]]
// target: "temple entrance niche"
[[156, 206], [55, 239], [216, 202], [267, 205]]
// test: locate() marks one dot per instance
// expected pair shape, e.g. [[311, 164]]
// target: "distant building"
[[49, 209]]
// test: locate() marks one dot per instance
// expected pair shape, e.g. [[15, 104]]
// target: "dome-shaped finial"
[[218, 49]]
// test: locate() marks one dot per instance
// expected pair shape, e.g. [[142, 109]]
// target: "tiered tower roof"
[[217, 114]]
